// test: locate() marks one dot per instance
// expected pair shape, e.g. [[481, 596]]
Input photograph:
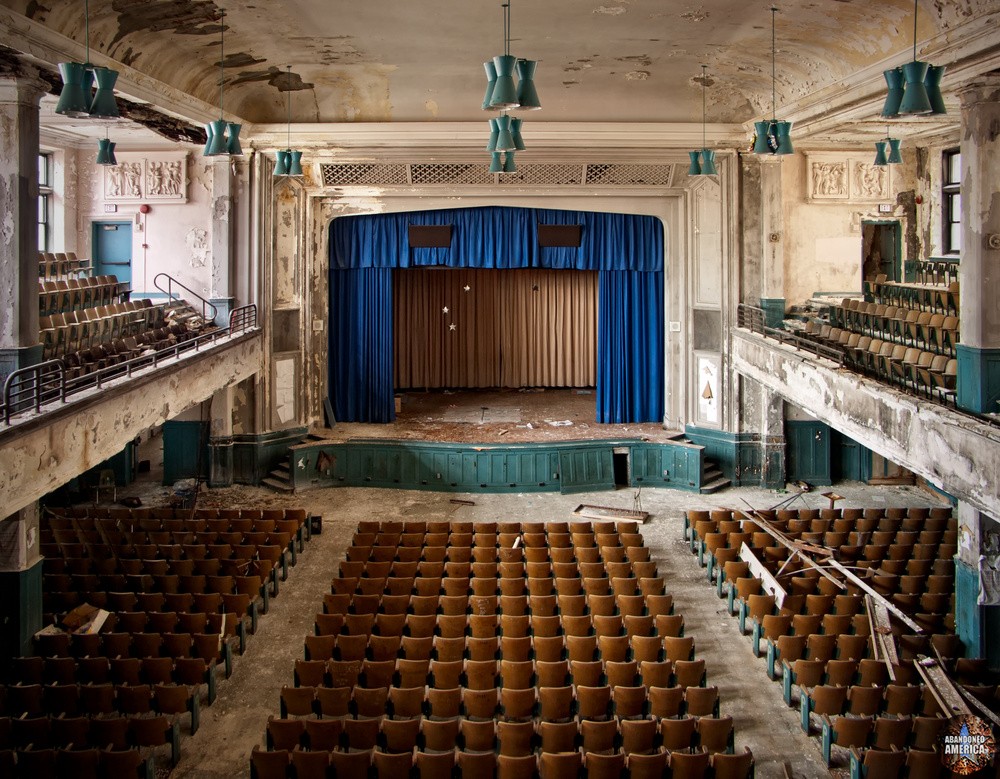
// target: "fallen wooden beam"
[[767, 581], [795, 547], [850, 575], [882, 641]]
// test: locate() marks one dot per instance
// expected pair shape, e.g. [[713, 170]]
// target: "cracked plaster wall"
[[822, 240], [179, 236]]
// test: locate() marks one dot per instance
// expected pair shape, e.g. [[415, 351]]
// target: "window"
[[951, 198], [44, 202]]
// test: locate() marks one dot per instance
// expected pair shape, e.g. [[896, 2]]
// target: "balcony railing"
[[752, 318], [29, 389]]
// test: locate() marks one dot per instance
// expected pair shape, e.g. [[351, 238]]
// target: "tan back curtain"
[[435, 348], [549, 328], [509, 328]]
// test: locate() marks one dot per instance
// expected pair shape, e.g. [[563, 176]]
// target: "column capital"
[[26, 89], [984, 88]]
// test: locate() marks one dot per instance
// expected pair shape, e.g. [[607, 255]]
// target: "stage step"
[[280, 478], [714, 486], [274, 484]]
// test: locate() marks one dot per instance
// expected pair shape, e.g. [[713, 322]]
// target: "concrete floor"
[[236, 721]]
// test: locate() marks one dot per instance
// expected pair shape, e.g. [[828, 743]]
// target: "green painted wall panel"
[[185, 451], [968, 613], [510, 468]]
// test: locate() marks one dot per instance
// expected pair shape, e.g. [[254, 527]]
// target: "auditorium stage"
[[500, 441], [498, 417]]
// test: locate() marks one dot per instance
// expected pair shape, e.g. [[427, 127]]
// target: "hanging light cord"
[[914, 30], [86, 23], [774, 102], [506, 29], [703, 85], [222, 63], [288, 105]]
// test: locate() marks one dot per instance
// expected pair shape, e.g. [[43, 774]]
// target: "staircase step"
[[274, 484], [714, 486], [710, 474]]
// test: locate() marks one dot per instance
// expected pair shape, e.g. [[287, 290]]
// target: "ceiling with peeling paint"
[[603, 60]]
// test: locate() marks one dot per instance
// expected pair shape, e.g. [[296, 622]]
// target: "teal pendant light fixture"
[[527, 95], [104, 105], [503, 93], [505, 140], [932, 83], [893, 98], [894, 156], [223, 137], [78, 78], [491, 82], [773, 137], [920, 83], [73, 97], [515, 133], [887, 150], [694, 169], [106, 151], [289, 161], [880, 157], [703, 160], [491, 144]]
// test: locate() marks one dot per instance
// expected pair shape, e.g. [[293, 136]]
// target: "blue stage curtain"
[[499, 237], [626, 248], [361, 385], [630, 347]]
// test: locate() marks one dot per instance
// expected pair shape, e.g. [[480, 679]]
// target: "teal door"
[[112, 252], [808, 451]]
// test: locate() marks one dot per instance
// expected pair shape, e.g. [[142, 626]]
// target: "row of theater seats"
[[817, 641], [66, 333], [321, 764], [904, 334], [61, 265], [73, 294], [502, 648], [181, 587]]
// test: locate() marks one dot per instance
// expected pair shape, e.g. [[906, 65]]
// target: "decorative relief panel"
[[847, 178], [139, 176]]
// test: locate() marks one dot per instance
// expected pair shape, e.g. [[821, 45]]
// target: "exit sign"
[[885, 208], [110, 208]]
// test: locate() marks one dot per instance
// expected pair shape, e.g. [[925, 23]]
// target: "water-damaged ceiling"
[[599, 60]]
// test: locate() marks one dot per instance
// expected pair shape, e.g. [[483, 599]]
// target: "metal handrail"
[[28, 389], [169, 291], [753, 319]]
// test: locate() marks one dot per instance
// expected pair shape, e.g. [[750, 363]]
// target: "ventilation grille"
[[477, 174], [629, 175], [424, 175], [362, 175]]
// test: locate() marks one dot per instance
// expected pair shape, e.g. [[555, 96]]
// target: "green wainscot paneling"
[[569, 467]]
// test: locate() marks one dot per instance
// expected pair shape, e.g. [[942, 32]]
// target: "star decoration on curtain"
[[466, 287], [444, 310], [453, 326]]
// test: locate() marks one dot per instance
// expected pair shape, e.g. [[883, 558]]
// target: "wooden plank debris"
[[855, 579], [767, 581], [883, 642], [609, 512]]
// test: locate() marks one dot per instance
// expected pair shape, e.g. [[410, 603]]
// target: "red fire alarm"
[[144, 209]]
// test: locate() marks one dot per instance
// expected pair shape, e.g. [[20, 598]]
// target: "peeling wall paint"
[[177, 235], [956, 453]]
